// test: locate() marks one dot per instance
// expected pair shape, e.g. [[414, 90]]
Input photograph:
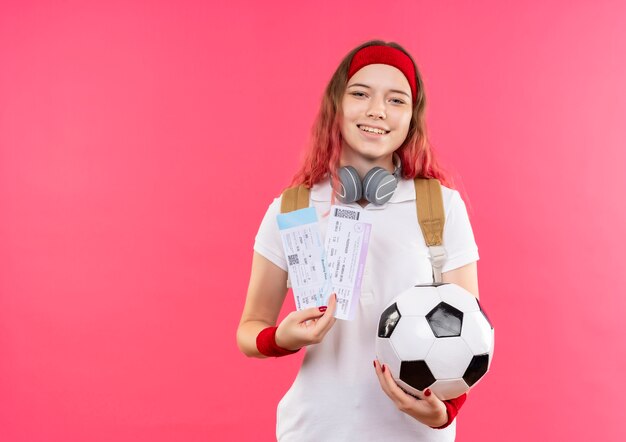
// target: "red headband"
[[385, 55]]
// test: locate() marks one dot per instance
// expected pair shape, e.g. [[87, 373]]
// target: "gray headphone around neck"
[[377, 186]]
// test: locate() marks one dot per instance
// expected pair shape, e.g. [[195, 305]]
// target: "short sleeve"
[[267, 241], [458, 237]]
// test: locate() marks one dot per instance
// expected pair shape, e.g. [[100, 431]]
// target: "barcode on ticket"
[[348, 214], [293, 260]]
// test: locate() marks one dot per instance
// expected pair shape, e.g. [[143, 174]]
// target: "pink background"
[[141, 142]]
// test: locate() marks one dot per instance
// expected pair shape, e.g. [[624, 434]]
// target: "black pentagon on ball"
[[484, 314], [445, 320], [388, 321], [416, 374], [476, 369]]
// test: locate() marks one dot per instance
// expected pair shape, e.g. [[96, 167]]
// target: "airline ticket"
[[347, 241], [316, 269], [306, 261]]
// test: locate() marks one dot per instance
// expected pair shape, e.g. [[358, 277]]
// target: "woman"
[[372, 115]]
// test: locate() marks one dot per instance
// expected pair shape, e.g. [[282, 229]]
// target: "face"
[[378, 96]]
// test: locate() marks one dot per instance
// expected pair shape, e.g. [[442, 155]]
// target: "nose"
[[376, 109]]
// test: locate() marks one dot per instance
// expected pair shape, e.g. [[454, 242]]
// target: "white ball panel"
[[388, 356], [449, 358], [458, 297], [418, 301], [412, 338], [493, 342], [449, 388], [477, 333]]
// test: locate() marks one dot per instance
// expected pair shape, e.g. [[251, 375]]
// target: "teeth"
[[371, 129]]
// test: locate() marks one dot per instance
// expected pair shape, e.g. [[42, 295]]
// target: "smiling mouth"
[[371, 130]]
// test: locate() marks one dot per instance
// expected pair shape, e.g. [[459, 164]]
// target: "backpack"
[[430, 214]]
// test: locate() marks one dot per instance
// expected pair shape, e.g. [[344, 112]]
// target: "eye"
[[358, 94], [398, 101]]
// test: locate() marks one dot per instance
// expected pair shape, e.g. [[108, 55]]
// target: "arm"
[[266, 293], [466, 277]]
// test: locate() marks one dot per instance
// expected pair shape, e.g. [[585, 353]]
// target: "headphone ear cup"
[[379, 185], [351, 187]]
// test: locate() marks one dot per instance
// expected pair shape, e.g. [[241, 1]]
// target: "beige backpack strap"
[[294, 198], [431, 217]]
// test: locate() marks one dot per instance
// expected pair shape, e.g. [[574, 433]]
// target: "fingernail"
[[427, 392], [383, 368], [374, 363], [323, 308]]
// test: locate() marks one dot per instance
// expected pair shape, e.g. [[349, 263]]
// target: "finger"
[[332, 303], [308, 313], [395, 393], [394, 389], [321, 311], [403, 400], [326, 321], [431, 398], [328, 311], [381, 378]]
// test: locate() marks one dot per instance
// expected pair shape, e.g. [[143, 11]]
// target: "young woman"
[[372, 115]]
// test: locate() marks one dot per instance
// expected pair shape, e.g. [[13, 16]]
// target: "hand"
[[307, 326], [430, 410]]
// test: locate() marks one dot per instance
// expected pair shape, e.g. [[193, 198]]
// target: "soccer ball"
[[435, 336]]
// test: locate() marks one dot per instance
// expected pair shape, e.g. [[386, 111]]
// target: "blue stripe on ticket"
[[296, 218]]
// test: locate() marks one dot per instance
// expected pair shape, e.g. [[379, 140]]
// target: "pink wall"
[[141, 142]]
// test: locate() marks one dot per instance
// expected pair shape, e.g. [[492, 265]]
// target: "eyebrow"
[[390, 90]]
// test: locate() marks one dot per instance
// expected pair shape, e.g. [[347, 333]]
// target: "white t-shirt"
[[336, 395]]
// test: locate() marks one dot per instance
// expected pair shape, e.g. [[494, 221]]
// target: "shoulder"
[[453, 204], [451, 197], [319, 191], [274, 206]]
